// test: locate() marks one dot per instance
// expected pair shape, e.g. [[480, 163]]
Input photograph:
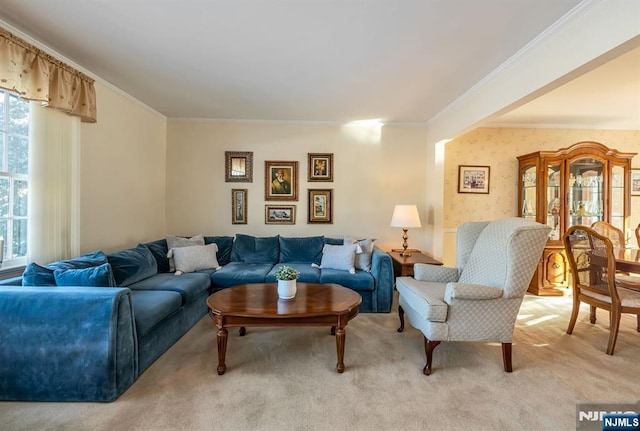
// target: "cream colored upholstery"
[[480, 298]]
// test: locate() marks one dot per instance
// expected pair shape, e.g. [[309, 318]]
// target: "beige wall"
[[374, 169], [498, 148], [123, 165]]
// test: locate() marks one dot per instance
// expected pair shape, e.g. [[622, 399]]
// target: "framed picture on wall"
[[280, 181], [320, 167], [473, 179], [238, 166], [280, 214], [320, 206], [635, 182], [239, 206]]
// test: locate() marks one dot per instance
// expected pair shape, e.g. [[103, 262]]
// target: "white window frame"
[[9, 261]]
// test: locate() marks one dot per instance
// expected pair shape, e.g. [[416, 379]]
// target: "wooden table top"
[[261, 300], [413, 259], [627, 259]]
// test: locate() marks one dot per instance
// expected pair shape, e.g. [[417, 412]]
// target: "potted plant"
[[287, 277]]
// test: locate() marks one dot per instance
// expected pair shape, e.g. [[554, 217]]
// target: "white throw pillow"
[[179, 241], [363, 259], [195, 258], [339, 257]]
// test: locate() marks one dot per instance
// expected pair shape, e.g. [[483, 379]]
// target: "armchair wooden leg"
[[638, 328], [401, 316], [429, 345], [592, 314], [506, 357]]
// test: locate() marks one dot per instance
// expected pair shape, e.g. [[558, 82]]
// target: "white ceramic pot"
[[287, 289]]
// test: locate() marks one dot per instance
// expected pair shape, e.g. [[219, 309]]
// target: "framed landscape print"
[[320, 167], [280, 181], [320, 206], [635, 182], [238, 167], [280, 214], [473, 179], [239, 206]]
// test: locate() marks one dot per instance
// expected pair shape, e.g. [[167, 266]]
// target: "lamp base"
[[410, 250]]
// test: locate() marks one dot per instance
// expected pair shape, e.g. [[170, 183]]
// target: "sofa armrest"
[[382, 271], [470, 291], [434, 273], [66, 343], [13, 281]]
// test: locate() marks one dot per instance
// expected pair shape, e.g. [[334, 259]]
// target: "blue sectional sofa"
[[84, 329]]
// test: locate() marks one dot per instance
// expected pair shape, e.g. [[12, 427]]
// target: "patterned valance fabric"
[[35, 75]]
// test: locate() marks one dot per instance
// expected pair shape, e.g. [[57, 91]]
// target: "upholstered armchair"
[[479, 299]]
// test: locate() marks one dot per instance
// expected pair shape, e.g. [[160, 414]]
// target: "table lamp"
[[405, 216]]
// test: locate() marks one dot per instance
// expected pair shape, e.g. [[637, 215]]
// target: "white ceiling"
[[400, 61]]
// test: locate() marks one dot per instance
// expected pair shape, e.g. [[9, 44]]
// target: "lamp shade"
[[405, 216]]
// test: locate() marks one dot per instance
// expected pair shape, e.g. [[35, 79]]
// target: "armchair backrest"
[[504, 255], [467, 235]]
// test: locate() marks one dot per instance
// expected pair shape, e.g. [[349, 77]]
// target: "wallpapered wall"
[[499, 149]]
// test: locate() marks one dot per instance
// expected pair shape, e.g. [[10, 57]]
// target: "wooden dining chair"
[[610, 231], [638, 235], [617, 239], [592, 264]]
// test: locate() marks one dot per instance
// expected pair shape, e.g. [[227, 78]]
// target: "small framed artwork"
[[280, 214], [320, 167], [238, 166], [238, 206], [320, 206], [473, 179], [635, 182], [280, 181]]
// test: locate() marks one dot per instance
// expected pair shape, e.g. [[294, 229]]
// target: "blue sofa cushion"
[[301, 250], [251, 249], [37, 275], [334, 241], [159, 250], [151, 307], [225, 244], [361, 280], [189, 285], [132, 265], [308, 274], [97, 276], [240, 273]]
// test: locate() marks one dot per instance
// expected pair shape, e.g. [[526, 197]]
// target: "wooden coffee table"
[[257, 304]]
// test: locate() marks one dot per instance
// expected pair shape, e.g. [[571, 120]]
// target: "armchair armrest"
[[66, 343], [435, 273], [470, 291]]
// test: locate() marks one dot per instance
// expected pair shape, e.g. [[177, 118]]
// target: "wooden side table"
[[403, 265]]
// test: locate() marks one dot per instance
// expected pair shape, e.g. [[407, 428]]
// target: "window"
[[14, 178]]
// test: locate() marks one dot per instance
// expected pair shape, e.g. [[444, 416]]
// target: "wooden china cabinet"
[[577, 185]]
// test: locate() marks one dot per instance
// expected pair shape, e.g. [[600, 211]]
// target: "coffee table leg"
[[222, 350], [340, 337]]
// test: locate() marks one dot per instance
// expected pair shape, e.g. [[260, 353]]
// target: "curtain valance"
[[35, 75]]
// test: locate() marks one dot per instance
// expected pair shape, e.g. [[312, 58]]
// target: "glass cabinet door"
[[529, 193], [553, 201], [585, 199], [617, 197]]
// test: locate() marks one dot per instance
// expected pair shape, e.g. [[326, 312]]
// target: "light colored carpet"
[[284, 378]]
